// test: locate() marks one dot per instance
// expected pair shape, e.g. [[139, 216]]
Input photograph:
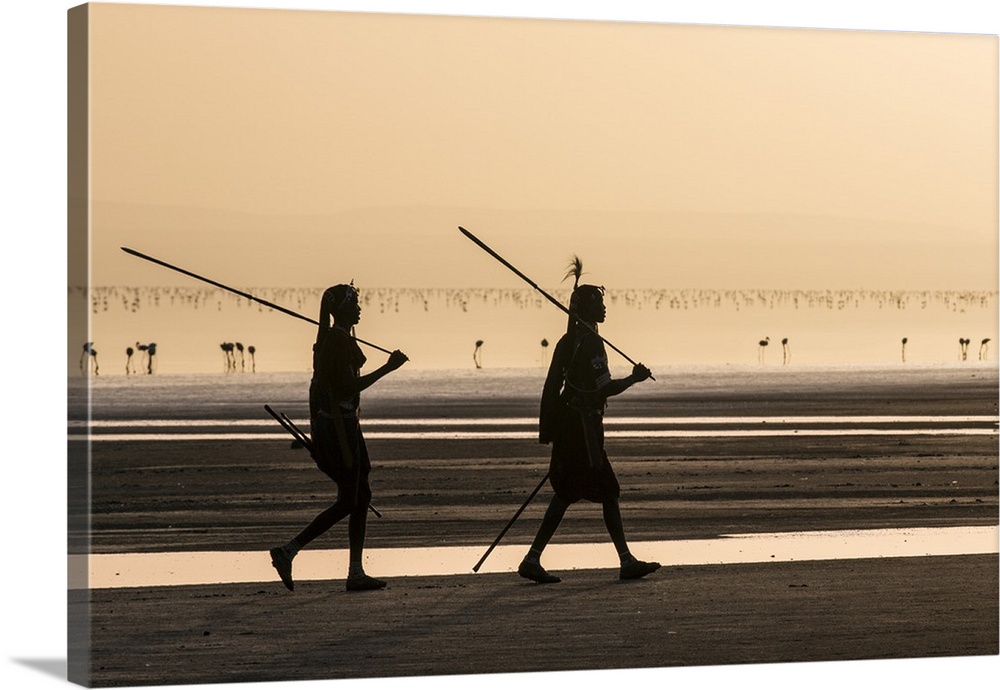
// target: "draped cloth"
[[571, 418]]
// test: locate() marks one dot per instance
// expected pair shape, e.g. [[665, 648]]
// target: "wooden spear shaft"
[[271, 305], [482, 245], [520, 510]]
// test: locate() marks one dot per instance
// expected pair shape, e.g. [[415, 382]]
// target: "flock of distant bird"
[[230, 350], [786, 352], [477, 354], [963, 344], [235, 359], [147, 352], [983, 348]]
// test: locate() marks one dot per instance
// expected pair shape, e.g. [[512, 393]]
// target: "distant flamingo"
[[963, 343], [786, 353], [227, 350], [984, 348], [477, 356], [129, 365], [144, 349], [150, 353], [253, 362], [545, 348], [239, 348], [904, 349], [89, 351], [83, 355], [760, 350]]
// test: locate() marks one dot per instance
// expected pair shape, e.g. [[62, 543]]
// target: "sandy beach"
[[219, 495]]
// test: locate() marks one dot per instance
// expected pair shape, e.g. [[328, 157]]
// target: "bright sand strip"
[[214, 567]]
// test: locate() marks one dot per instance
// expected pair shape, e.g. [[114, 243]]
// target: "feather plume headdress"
[[583, 296], [575, 270]]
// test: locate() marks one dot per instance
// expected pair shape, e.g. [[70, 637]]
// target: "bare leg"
[[553, 516], [631, 567], [357, 580], [281, 556], [323, 522], [613, 521], [356, 528], [531, 567]]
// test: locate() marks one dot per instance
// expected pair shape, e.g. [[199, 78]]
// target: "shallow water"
[[194, 568], [439, 328], [517, 382], [500, 428]]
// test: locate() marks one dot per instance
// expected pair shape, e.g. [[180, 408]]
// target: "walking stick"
[[482, 245], [520, 510], [301, 437], [241, 293]]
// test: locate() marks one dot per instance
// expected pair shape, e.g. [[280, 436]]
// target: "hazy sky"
[[275, 147]]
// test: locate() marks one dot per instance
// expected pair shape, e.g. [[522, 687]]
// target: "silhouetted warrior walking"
[[339, 446], [572, 409]]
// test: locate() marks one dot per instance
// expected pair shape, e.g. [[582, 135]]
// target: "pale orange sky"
[[272, 147]]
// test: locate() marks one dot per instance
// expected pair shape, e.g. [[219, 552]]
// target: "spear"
[[240, 293], [482, 245]]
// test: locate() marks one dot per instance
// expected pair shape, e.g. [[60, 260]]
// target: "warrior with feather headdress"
[[571, 418]]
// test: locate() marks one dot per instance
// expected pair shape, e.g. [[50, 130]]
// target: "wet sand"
[[219, 495], [707, 615]]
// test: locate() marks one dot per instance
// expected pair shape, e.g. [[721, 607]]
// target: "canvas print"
[[410, 346]]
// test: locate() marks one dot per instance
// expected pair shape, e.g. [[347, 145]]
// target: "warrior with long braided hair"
[[338, 444]]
